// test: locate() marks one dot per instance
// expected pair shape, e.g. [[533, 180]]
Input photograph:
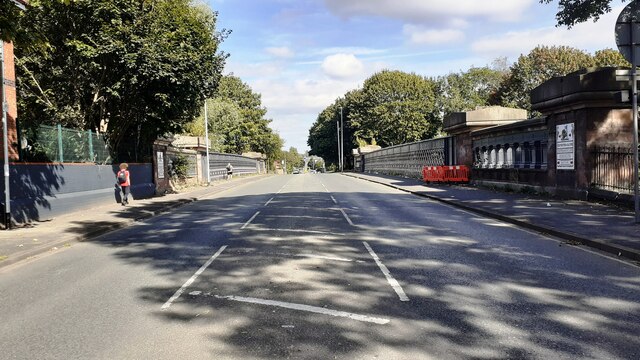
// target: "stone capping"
[[591, 87], [512, 126], [482, 117]]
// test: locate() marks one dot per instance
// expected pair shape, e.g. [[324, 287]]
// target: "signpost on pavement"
[[5, 146], [628, 40], [206, 140]]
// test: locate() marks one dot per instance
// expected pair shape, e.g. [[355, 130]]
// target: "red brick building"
[[9, 89]]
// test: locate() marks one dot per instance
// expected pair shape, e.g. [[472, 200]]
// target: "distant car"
[[313, 171], [296, 171]]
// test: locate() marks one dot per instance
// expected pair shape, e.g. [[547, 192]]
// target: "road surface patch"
[[307, 308], [346, 217], [192, 279], [392, 281], [250, 220]]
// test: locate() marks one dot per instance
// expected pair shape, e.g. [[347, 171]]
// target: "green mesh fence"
[[55, 143]]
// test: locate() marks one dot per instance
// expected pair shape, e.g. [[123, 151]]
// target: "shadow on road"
[[468, 299]]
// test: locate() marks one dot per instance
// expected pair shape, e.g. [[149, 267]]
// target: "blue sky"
[[303, 54]]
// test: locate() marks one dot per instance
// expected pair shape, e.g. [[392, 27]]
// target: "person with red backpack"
[[124, 182]]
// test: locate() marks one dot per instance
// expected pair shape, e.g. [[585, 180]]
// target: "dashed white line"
[[334, 200], [192, 279], [325, 188], [307, 308], [346, 217], [269, 202], [393, 282], [250, 220]]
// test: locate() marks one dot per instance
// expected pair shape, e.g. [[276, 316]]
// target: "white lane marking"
[[298, 231], [393, 282], [250, 220], [334, 200], [320, 257], [346, 217], [325, 188], [307, 308], [269, 202], [192, 279]]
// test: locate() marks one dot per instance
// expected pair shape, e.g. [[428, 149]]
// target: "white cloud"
[[421, 11], [342, 66], [587, 36], [280, 52], [421, 35]]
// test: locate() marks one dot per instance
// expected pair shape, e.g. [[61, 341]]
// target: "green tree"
[[571, 12], [540, 65], [135, 69], [237, 121], [468, 90], [395, 107], [610, 57]]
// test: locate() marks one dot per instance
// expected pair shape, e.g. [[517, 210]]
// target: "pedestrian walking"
[[124, 181], [229, 171]]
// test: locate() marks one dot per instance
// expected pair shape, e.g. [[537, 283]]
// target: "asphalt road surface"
[[320, 266]]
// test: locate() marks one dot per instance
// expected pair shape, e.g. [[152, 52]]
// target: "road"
[[320, 266]]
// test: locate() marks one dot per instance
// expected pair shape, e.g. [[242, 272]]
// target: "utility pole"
[[338, 134], [5, 145], [341, 142], [206, 140]]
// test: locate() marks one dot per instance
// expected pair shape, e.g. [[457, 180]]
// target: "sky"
[[301, 55]]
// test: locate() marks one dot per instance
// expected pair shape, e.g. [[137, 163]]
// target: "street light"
[[206, 140], [341, 142]]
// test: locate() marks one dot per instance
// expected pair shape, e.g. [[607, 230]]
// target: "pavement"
[[608, 228], [39, 238]]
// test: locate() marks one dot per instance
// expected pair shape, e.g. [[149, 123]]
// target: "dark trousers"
[[125, 193]]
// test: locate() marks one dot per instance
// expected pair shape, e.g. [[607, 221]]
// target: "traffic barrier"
[[432, 174], [457, 174]]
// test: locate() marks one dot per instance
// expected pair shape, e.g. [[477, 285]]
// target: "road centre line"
[[346, 217], [393, 282], [307, 308], [269, 202], [193, 278], [325, 188], [250, 220], [334, 200]]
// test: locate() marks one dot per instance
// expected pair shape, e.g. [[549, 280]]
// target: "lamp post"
[[338, 134], [341, 142], [206, 140]]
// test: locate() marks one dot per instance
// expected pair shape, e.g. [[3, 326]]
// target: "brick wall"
[[9, 79]]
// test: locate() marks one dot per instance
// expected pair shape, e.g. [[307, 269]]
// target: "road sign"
[[628, 32], [627, 38]]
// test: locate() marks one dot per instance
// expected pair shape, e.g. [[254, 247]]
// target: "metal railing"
[[612, 168], [409, 159], [58, 144]]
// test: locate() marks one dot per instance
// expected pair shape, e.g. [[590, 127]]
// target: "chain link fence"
[[58, 144]]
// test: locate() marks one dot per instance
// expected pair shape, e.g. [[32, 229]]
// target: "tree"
[[236, 121], [468, 90], [540, 65], [395, 107], [572, 12], [610, 57], [134, 69]]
